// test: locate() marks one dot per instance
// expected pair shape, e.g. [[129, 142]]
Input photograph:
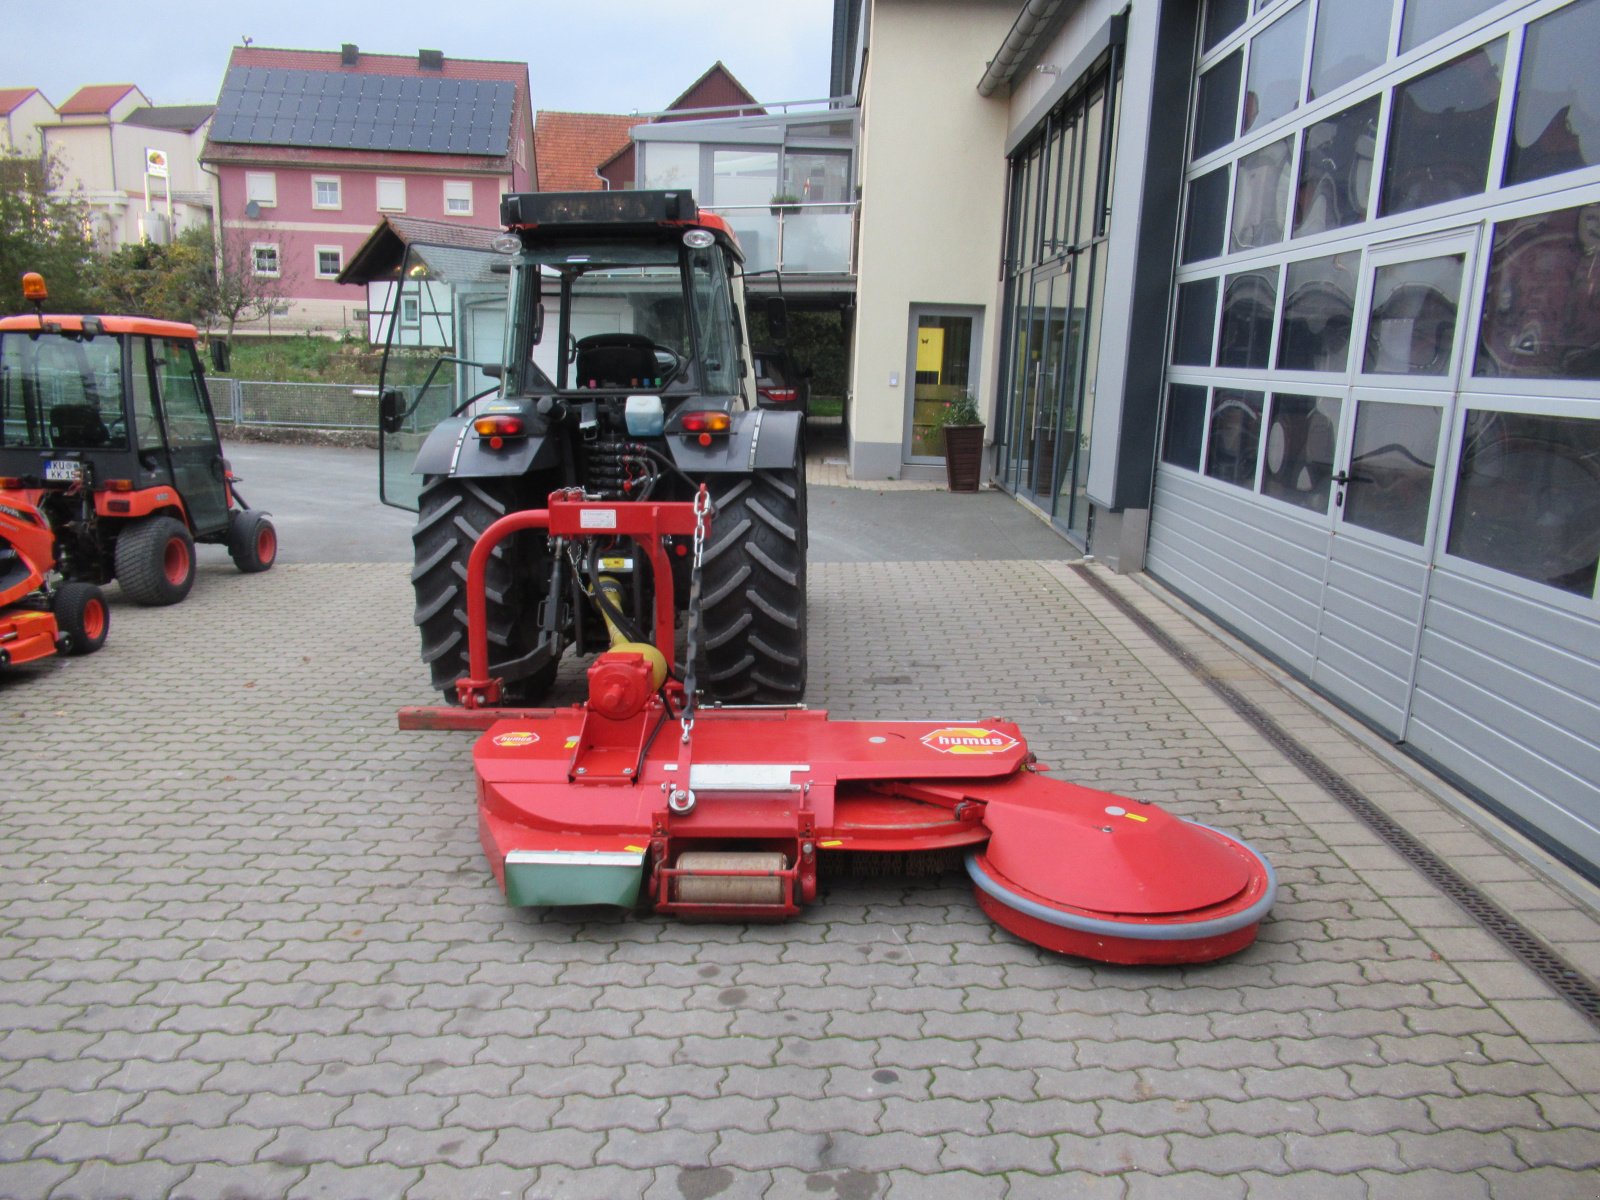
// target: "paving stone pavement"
[[249, 948]]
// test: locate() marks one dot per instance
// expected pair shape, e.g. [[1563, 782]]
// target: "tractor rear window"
[[63, 391]]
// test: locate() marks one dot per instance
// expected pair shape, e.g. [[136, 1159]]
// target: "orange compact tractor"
[[36, 619], [106, 428]]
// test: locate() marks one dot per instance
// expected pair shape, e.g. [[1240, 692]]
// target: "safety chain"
[[702, 510]]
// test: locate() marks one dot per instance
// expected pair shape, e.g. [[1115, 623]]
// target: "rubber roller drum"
[[755, 889]]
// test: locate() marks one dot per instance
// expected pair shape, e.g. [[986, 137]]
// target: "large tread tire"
[[154, 561], [753, 590], [252, 540], [82, 616], [452, 515]]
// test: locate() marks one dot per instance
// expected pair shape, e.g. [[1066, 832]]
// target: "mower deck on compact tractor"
[[38, 619], [641, 796]]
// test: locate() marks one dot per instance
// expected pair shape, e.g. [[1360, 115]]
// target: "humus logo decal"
[[963, 739]]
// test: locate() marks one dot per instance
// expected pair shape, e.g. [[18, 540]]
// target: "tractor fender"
[[761, 439], [454, 449]]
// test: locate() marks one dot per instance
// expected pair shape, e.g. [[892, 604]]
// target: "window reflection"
[[1318, 310], [1218, 105], [1352, 37], [1249, 301], [1235, 437], [1196, 323], [1425, 20], [1273, 85], [1528, 497], [1297, 464], [1186, 425], [1412, 325], [1261, 196], [1557, 124], [1392, 459], [1336, 170], [1541, 308], [1222, 18], [1441, 130]]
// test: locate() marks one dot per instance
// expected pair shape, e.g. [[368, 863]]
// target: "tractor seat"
[[77, 425], [617, 360]]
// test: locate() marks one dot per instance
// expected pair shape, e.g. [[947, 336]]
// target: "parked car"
[[780, 383]]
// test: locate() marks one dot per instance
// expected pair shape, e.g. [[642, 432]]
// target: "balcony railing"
[[797, 239]]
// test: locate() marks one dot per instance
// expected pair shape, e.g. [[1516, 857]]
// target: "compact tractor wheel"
[[252, 540], [82, 616], [452, 513], [753, 590], [154, 561]]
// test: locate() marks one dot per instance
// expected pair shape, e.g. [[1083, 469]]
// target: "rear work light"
[[498, 428], [781, 395]]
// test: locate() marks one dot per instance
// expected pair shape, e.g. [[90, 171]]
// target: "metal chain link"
[[702, 509]]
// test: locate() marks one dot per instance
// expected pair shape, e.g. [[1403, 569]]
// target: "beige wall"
[[104, 166], [933, 175], [19, 131]]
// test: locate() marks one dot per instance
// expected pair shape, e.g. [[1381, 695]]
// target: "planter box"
[[963, 457]]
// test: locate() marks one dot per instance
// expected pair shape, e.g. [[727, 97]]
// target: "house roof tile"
[[95, 100], [10, 98], [570, 145], [184, 117]]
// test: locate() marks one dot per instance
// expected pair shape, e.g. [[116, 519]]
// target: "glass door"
[[1386, 483], [941, 369]]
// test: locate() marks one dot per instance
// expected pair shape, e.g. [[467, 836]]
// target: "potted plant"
[[963, 443], [784, 202]]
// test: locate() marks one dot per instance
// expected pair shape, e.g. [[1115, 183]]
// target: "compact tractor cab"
[[620, 373], [106, 428]]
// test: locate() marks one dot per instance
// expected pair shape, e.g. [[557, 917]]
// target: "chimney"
[[348, 54], [430, 60]]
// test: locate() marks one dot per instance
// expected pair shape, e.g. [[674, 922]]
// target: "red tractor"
[[106, 428], [36, 618]]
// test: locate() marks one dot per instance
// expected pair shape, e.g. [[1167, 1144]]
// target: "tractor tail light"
[[781, 395], [503, 427], [10, 481], [120, 485], [714, 421]]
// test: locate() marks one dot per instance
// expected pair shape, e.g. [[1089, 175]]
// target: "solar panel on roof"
[[274, 106]]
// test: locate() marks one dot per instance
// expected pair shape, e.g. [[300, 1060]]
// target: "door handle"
[[1340, 478]]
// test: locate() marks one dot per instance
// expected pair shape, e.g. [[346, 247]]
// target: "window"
[[1391, 469], [1196, 323], [458, 197], [182, 401], [1235, 437], [1557, 124], [330, 261], [1352, 38], [1412, 326], [410, 312], [1319, 299], [1222, 18], [743, 176], [391, 195], [1207, 216], [1297, 462], [671, 165], [1261, 196], [1218, 105], [1441, 130], [1186, 425], [1528, 497], [1336, 169], [1249, 304], [264, 256], [261, 187], [1427, 19], [1541, 308], [1273, 85], [325, 191]]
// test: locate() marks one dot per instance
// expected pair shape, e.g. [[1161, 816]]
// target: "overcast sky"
[[585, 55]]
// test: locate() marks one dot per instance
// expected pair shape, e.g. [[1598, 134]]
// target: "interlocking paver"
[[295, 976]]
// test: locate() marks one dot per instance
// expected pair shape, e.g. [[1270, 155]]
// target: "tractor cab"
[[107, 428]]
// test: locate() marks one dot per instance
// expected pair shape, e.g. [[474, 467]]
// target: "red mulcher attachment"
[[725, 812], [37, 621]]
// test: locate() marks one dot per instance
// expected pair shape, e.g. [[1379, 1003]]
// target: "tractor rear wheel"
[[453, 513], [82, 616], [753, 590], [154, 561], [252, 540]]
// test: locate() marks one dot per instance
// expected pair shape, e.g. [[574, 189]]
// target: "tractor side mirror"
[[778, 318], [391, 411], [221, 356]]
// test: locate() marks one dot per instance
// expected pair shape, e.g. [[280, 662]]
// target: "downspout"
[[1031, 26]]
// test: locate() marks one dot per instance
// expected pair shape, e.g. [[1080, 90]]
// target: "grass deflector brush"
[[638, 796]]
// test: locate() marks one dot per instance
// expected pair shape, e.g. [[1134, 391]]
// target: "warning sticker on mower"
[[968, 739], [519, 737]]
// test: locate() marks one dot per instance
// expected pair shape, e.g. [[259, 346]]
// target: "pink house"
[[313, 148]]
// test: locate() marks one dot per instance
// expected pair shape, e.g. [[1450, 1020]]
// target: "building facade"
[[1296, 306], [311, 149], [22, 111]]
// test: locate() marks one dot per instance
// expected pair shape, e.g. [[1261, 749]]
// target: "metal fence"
[[294, 405]]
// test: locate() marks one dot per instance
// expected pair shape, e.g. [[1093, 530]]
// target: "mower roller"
[[639, 796]]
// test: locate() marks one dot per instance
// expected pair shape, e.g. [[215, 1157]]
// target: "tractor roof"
[[73, 323]]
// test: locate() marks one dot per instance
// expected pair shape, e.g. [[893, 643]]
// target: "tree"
[[237, 292], [41, 232], [175, 282]]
